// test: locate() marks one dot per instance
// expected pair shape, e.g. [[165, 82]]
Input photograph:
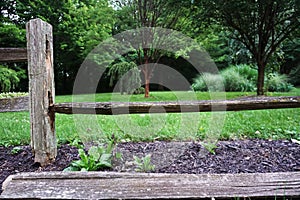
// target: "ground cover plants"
[[96, 158], [263, 124]]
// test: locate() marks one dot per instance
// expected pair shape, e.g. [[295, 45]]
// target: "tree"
[[83, 26], [9, 78], [149, 13], [128, 75], [12, 75], [78, 26], [261, 25]]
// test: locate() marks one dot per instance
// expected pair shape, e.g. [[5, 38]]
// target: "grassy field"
[[265, 124]]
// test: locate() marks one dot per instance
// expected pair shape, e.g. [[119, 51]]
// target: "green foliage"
[[214, 39], [78, 26], [9, 79], [278, 83], [12, 94], [294, 75], [207, 81], [260, 25], [275, 123], [16, 150], [139, 90], [97, 158], [241, 78], [210, 147], [128, 75], [235, 78], [235, 81], [247, 71], [11, 35], [144, 164]]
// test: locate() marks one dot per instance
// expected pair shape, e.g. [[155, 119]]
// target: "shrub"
[[8, 79], [235, 82], [278, 83], [242, 78], [139, 90], [207, 81], [247, 71]]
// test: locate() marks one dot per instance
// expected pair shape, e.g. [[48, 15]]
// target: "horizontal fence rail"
[[42, 108], [13, 55], [117, 108], [114, 185]]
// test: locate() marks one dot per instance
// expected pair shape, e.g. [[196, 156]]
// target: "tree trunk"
[[147, 80], [146, 72], [260, 79]]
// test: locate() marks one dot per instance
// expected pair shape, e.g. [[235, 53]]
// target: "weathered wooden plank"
[[109, 108], [13, 55], [41, 90], [14, 104], [113, 185]]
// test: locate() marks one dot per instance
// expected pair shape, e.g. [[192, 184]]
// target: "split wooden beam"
[[114, 185], [116, 108], [13, 55], [41, 90]]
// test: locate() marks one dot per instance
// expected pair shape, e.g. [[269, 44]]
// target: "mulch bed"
[[239, 156]]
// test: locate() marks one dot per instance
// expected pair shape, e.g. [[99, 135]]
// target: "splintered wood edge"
[[7, 181]]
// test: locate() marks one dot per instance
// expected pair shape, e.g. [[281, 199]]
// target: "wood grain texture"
[[113, 185], [13, 55], [116, 108], [41, 90]]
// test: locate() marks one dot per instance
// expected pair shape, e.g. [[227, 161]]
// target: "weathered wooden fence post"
[[41, 90]]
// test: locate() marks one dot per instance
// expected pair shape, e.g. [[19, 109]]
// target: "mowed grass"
[[264, 124]]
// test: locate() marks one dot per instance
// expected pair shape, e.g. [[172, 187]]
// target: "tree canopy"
[[263, 33], [262, 26]]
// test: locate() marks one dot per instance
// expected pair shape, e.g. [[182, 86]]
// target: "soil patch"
[[240, 156]]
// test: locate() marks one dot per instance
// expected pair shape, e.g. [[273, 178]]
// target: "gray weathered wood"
[[14, 104], [110, 108], [41, 90], [113, 185], [13, 55]]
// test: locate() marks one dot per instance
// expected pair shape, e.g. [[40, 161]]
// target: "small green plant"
[[98, 157], [16, 150], [144, 164], [210, 147], [77, 143]]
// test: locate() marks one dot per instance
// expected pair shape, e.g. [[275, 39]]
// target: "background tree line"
[[263, 34]]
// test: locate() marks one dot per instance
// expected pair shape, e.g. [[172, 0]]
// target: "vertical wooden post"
[[41, 90]]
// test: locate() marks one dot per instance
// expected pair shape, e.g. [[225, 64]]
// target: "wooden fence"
[[42, 107]]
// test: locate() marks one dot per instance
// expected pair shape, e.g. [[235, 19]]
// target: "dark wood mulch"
[[240, 156]]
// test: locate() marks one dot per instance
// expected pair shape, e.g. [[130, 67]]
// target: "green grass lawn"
[[265, 124]]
